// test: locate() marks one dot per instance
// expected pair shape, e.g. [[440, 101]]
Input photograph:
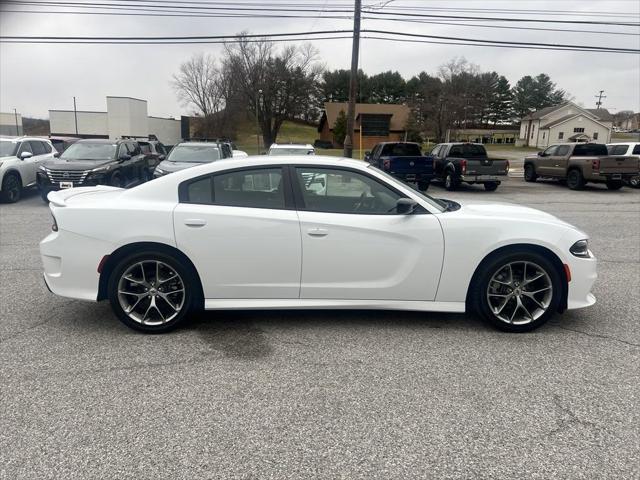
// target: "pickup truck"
[[403, 160], [455, 163], [579, 163]]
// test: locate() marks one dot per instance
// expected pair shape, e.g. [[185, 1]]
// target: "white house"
[[565, 123], [125, 117]]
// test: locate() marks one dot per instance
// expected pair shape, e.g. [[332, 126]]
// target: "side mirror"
[[405, 206], [161, 157], [124, 158], [25, 155], [541, 154], [56, 154]]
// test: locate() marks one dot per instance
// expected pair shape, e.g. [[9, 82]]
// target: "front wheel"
[[517, 292], [614, 184], [11, 188], [530, 173], [151, 292], [491, 186]]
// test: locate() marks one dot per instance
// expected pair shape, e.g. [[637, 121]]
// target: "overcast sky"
[[37, 78]]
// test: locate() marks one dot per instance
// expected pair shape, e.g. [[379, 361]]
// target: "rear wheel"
[[614, 184], [116, 180], [11, 188], [518, 291], [151, 291], [530, 173], [450, 182], [634, 182], [491, 186], [575, 180]]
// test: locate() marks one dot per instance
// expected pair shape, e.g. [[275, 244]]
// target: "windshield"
[[434, 202], [467, 150], [90, 151], [291, 151], [401, 150], [194, 154], [7, 149]]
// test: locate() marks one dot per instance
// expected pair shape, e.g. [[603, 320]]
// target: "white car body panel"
[[27, 167], [263, 258]]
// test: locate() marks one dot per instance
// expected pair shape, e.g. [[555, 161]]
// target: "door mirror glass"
[[56, 154], [541, 154], [405, 206], [124, 157], [25, 155], [161, 157]]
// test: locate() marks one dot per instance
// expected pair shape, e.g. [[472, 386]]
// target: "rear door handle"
[[195, 222], [318, 232]]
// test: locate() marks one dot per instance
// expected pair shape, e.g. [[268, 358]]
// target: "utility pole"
[[353, 82], [258, 122], [15, 114], [600, 96], [75, 114]]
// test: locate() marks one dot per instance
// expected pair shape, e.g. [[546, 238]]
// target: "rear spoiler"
[[59, 198]]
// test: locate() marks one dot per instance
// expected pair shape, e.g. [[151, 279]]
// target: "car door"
[[355, 246], [27, 166], [545, 163], [437, 160], [559, 161], [241, 231]]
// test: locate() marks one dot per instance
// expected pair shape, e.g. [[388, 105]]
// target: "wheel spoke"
[[504, 304], [537, 291], [175, 275], [157, 273], [537, 277], [133, 280]]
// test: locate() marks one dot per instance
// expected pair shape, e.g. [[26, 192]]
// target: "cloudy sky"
[[35, 78]]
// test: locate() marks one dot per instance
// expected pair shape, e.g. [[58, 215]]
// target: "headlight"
[[101, 169], [158, 171], [41, 168], [581, 249]]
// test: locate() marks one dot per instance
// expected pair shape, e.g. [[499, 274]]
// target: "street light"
[[258, 121]]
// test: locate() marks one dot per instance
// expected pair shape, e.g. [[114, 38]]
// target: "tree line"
[[270, 85]]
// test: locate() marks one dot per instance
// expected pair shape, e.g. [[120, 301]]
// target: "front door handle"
[[318, 232], [195, 222]]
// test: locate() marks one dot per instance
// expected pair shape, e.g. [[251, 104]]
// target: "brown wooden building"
[[375, 123]]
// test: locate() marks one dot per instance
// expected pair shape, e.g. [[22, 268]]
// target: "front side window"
[[550, 151], [344, 191], [25, 147], [258, 188], [562, 150], [37, 147]]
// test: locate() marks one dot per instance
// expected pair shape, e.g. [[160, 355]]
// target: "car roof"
[[628, 144], [198, 144], [21, 138], [291, 145], [100, 140]]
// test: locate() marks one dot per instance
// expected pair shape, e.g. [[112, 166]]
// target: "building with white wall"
[[10, 123], [125, 117], [563, 123]]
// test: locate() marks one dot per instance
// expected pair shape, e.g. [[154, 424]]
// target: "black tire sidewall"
[[491, 266], [185, 273], [112, 180], [4, 193], [578, 183], [491, 186], [529, 173], [449, 182]]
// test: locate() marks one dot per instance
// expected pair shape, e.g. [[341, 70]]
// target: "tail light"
[[595, 165], [463, 166], [386, 164]]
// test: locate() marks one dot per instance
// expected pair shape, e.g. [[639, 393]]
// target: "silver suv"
[[20, 158]]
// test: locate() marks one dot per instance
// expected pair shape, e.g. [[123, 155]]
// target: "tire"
[[634, 182], [450, 182], [530, 174], [614, 184], [491, 186], [575, 180], [156, 307], [116, 180], [43, 196], [423, 186], [493, 284], [11, 188]]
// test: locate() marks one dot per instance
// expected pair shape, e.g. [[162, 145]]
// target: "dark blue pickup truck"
[[403, 160]]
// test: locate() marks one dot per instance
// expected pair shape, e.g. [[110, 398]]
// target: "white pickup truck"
[[20, 158], [629, 149]]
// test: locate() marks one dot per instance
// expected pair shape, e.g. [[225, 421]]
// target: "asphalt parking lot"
[[347, 394]]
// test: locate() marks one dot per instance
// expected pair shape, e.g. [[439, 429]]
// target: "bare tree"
[[199, 84], [276, 86]]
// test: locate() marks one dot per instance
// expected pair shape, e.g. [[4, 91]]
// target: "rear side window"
[[145, 148], [589, 150], [37, 147], [258, 188]]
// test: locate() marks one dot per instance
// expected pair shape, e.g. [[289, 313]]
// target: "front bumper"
[[46, 185], [583, 275]]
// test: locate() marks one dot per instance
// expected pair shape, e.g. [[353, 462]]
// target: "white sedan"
[[308, 232]]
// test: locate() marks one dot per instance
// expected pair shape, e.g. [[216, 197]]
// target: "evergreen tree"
[[501, 105], [340, 128]]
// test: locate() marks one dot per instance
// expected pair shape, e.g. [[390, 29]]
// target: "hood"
[[169, 166], [62, 164], [512, 211]]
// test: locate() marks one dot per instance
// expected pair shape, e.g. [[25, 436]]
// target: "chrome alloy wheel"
[[519, 292], [151, 292]]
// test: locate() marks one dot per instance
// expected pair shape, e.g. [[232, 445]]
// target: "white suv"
[[20, 158], [291, 149]]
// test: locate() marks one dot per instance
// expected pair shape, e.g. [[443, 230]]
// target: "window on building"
[[375, 125], [543, 135], [578, 130], [595, 135], [533, 128], [560, 135]]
